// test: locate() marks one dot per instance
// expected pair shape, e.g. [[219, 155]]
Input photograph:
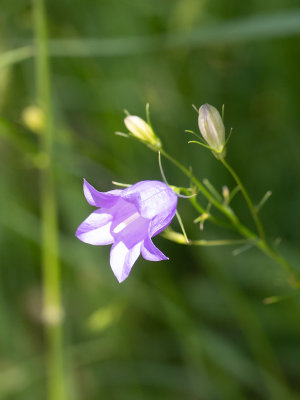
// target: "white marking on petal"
[[126, 222]]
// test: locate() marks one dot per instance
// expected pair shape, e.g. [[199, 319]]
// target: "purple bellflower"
[[128, 219]]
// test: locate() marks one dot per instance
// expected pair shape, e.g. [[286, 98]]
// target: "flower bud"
[[142, 131], [34, 118], [212, 129]]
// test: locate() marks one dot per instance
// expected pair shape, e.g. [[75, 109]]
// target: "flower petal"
[[151, 198], [150, 252], [122, 259], [133, 233], [96, 229], [99, 199], [161, 221]]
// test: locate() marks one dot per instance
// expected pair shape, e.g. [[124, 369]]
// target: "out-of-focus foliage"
[[195, 327]]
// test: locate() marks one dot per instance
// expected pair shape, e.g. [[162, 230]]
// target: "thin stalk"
[[210, 217], [15, 56], [243, 230], [225, 210], [180, 238], [224, 242], [252, 209], [259, 241], [52, 306], [294, 278]]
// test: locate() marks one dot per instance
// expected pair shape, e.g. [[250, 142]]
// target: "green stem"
[[260, 242], [52, 307], [294, 278], [224, 209], [180, 238], [224, 242], [252, 209], [201, 210], [15, 56]]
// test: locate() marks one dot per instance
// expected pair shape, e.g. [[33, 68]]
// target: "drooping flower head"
[[128, 219]]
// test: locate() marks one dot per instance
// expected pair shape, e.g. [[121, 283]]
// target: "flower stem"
[[259, 241], [221, 207], [293, 278], [252, 209], [52, 308]]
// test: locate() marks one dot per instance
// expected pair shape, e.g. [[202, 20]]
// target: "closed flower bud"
[[142, 131], [34, 118], [212, 129]]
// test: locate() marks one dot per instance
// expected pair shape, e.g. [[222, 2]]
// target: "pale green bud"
[[212, 129], [34, 118], [142, 131]]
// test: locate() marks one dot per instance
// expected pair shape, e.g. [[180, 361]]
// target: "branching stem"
[[258, 240], [252, 209]]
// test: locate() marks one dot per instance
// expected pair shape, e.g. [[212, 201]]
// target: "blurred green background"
[[195, 327]]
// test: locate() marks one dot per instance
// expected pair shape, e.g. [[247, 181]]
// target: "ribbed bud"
[[212, 129], [142, 131]]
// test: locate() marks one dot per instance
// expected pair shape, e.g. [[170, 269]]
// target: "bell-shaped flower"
[[128, 219]]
